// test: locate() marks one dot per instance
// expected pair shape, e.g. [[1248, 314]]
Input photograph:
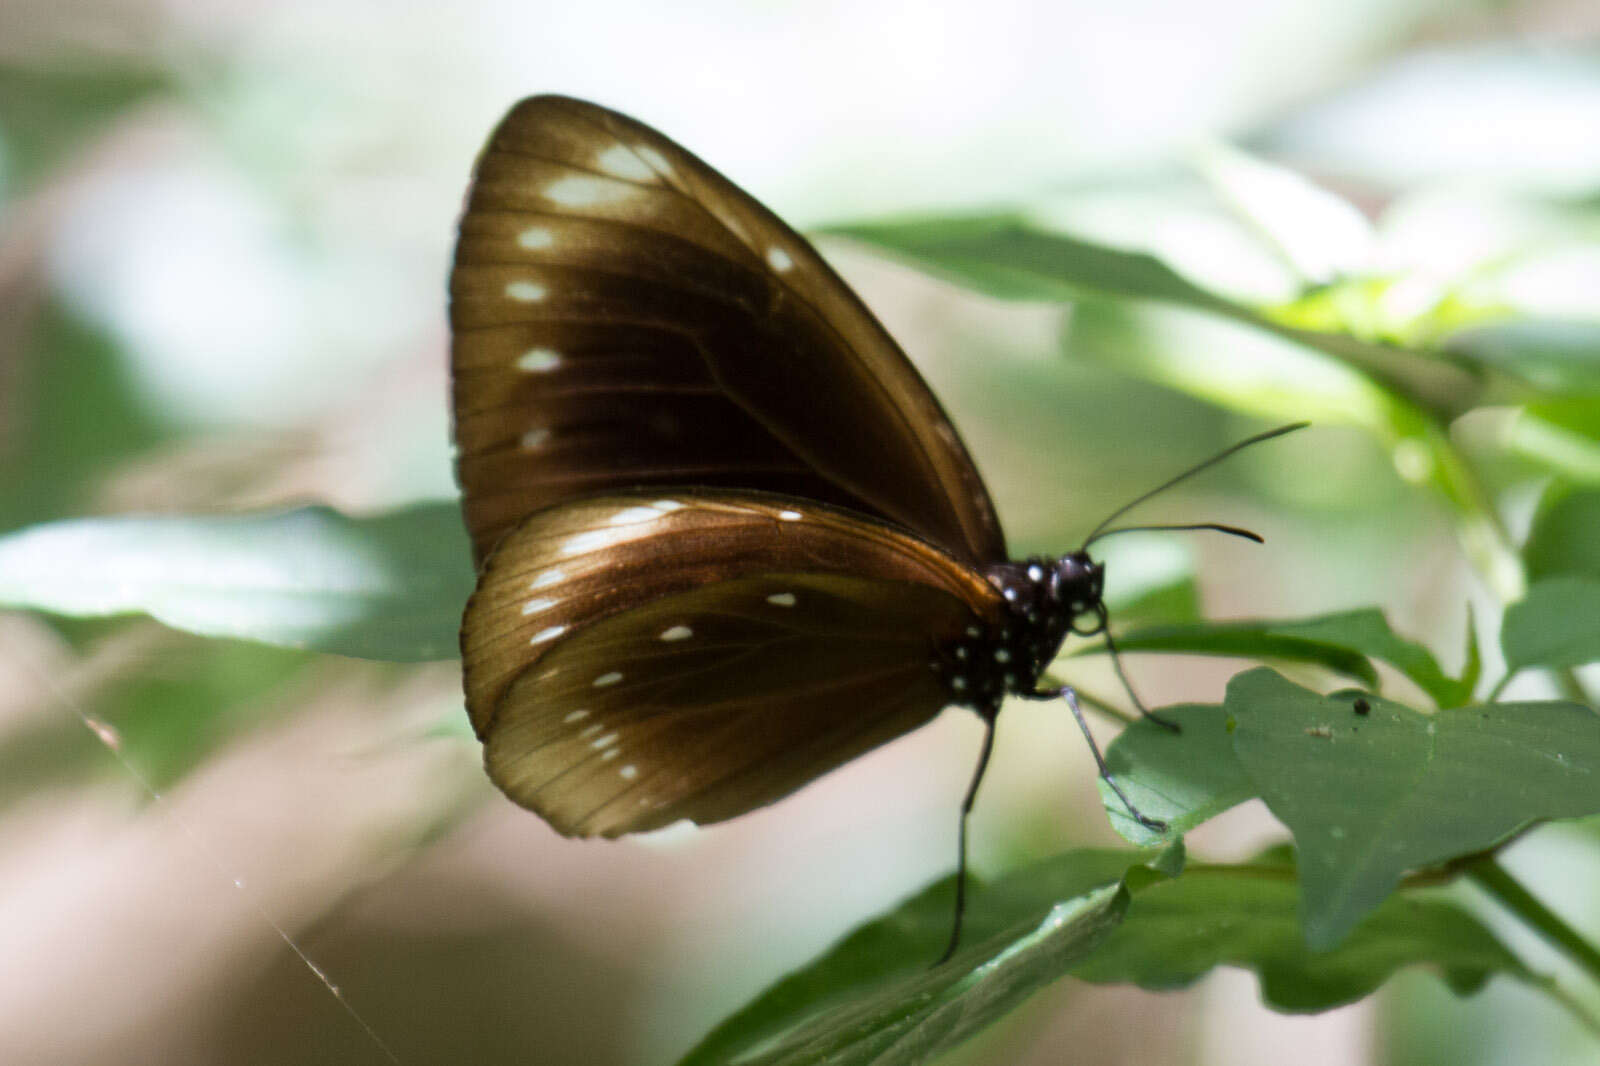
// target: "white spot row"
[[781, 599], [575, 716], [677, 633], [605, 741], [790, 516], [547, 634], [536, 237], [629, 772], [541, 604], [526, 292], [580, 190], [547, 578], [607, 679], [779, 260], [625, 163], [535, 438], [538, 360]]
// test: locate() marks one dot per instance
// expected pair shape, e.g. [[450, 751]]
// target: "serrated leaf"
[[387, 587], [1182, 778], [1557, 624], [872, 997], [1177, 931], [1370, 796]]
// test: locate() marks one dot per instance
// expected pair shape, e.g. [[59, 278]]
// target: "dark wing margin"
[[698, 656], [623, 315]]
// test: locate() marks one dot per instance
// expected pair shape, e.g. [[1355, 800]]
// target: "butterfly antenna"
[[1191, 472], [1217, 527], [961, 837]]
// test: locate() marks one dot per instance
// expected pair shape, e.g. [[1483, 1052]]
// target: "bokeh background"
[[224, 234]]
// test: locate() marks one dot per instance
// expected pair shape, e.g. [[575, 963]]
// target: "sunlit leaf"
[[1555, 355], [1370, 795], [872, 998], [387, 587], [1005, 255]]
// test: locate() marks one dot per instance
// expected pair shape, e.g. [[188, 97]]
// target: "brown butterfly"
[[728, 538]]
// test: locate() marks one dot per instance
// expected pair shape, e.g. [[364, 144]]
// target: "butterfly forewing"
[[632, 660], [623, 315]]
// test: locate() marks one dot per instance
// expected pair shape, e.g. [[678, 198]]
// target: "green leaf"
[[1179, 930], [1555, 355], [386, 587], [1342, 642], [1557, 624], [1245, 640], [72, 416], [1181, 778], [872, 997], [1008, 256], [46, 113], [1563, 434], [1565, 539], [1367, 631], [1370, 796]]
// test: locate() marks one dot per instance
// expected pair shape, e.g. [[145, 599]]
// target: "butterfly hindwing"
[[623, 315], [759, 643]]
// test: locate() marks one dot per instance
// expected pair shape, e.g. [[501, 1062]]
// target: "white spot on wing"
[[535, 438], [538, 360], [581, 191], [535, 606], [779, 260], [666, 505], [607, 679], [527, 292], [592, 539], [790, 516], [609, 754], [550, 633], [590, 730], [575, 716], [629, 772], [605, 741], [634, 515], [654, 158], [781, 599], [536, 237], [548, 578], [620, 161], [677, 633]]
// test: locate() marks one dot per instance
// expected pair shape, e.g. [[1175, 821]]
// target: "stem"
[[1508, 891], [1579, 1012]]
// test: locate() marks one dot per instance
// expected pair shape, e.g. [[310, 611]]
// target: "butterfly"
[[727, 538]]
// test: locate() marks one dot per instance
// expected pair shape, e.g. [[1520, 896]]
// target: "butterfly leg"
[[961, 846], [1066, 693]]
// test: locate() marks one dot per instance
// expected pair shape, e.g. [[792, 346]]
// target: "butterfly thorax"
[[1043, 601]]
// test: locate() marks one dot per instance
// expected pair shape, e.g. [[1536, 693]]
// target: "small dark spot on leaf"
[[1362, 707]]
